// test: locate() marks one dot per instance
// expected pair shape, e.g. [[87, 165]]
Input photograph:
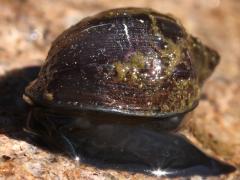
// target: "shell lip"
[[70, 109]]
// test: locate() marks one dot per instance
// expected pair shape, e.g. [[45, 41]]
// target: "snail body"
[[122, 69]]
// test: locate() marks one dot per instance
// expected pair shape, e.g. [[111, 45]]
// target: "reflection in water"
[[125, 146], [136, 148]]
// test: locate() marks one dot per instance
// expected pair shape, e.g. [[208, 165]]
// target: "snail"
[[116, 81]]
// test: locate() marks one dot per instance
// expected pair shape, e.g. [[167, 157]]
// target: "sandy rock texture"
[[27, 28]]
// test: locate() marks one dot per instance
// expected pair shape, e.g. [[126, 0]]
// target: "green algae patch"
[[129, 71]]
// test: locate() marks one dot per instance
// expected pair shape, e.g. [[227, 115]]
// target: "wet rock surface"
[[27, 29]]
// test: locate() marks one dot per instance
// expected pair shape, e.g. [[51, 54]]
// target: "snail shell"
[[130, 61]]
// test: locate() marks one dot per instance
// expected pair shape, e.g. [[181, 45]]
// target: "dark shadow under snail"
[[118, 85]]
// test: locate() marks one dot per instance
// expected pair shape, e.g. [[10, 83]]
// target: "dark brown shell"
[[132, 61]]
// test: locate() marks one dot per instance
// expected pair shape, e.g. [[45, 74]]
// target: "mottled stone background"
[[27, 28]]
